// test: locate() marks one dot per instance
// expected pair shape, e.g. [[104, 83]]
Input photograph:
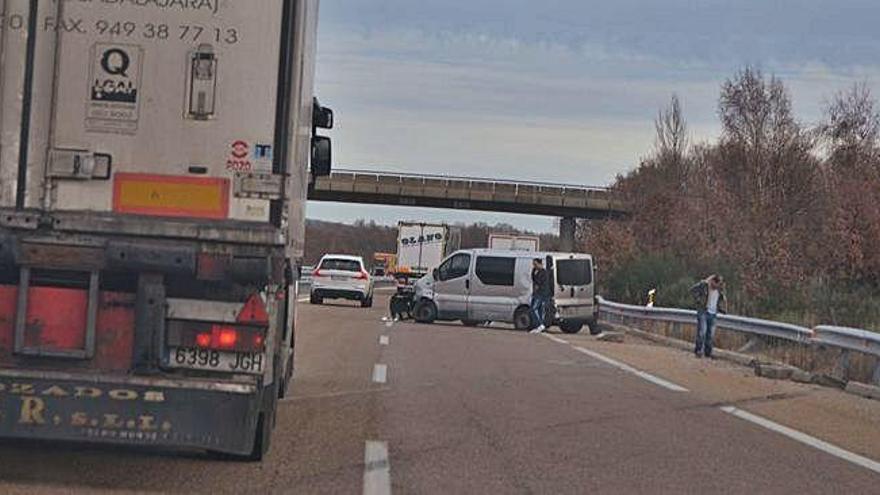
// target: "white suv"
[[339, 276]]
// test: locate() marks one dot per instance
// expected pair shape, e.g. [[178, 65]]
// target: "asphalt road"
[[407, 408]]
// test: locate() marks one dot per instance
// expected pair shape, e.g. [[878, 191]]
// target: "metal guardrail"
[[853, 339], [845, 338]]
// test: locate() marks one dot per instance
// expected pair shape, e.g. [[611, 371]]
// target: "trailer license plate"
[[204, 359]]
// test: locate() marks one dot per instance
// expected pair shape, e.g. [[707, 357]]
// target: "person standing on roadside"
[[540, 294], [709, 298]]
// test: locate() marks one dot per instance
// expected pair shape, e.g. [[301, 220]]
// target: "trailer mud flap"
[[129, 413]]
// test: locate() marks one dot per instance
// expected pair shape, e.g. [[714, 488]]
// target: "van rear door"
[[574, 286]]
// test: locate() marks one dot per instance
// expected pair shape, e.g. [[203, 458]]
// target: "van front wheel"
[[522, 319], [571, 326], [425, 312]]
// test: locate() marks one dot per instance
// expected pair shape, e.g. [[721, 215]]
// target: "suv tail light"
[[216, 336], [317, 273], [362, 275]]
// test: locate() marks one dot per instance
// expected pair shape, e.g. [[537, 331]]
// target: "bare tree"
[[852, 127], [672, 131]]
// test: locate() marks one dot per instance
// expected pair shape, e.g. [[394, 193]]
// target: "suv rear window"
[[574, 272], [341, 265]]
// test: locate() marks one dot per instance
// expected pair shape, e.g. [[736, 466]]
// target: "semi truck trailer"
[[154, 164]]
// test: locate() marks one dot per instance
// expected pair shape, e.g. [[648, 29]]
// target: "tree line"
[[788, 212], [364, 238]]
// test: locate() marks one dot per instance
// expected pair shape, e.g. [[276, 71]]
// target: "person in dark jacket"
[[541, 294], [709, 299]]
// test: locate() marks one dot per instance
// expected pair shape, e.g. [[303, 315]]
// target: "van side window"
[[455, 267], [496, 270]]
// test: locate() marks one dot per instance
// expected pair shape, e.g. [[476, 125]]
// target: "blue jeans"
[[539, 308], [705, 332]]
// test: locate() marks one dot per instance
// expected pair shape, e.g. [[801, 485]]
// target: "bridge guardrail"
[[406, 175]]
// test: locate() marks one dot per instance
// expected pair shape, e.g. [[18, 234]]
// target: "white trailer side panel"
[[420, 247]]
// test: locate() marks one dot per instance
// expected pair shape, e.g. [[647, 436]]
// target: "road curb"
[[735, 357], [863, 390], [777, 371]]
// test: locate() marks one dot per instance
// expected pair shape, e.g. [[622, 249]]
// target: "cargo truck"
[[514, 242], [420, 248], [154, 165]]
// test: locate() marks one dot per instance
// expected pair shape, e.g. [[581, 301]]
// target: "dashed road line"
[[380, 373], [555, 339], [641, 374], [377, 469], [805, 439], [383, 340], [302, 299], [331, 395]]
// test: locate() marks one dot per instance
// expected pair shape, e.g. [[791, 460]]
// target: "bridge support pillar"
[[567, 229]]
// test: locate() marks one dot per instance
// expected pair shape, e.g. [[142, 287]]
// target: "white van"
[[480, 285]]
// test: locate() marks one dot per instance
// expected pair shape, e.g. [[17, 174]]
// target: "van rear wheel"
[[522, 319]]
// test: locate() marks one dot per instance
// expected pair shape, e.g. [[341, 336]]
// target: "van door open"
[[574, 286]]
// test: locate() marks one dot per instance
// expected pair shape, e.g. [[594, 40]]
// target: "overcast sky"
[[559, 90]]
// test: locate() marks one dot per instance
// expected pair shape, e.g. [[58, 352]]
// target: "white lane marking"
[[383, 340], [302, 299], [380, 373], [377, 469], [555, 339], [805, 439], [328, 395], [641, 374]]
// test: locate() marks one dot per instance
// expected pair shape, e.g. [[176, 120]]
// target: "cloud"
[[563, 90]]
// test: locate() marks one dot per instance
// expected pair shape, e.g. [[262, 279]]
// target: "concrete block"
[[829, 381], [773, 371], [616, 337], [736, 357], [802, 376], [864, 390]]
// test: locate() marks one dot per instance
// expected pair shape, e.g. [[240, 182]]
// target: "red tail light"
[[317, 273], [216, 336], [225, 337], [362, 275]]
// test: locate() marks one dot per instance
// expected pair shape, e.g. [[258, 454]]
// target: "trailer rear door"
[[166, 108]]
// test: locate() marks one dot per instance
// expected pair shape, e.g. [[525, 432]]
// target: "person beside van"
[[541, 293], [709, 298]]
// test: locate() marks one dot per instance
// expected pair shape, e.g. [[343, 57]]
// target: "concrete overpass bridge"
[[569, 202]]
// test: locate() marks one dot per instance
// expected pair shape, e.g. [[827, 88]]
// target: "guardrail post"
[[876, 378], [841, 368]]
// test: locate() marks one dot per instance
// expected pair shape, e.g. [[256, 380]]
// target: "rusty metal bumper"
[[128, 410]]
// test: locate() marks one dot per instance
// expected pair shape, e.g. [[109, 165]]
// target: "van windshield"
[[574, 272]]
